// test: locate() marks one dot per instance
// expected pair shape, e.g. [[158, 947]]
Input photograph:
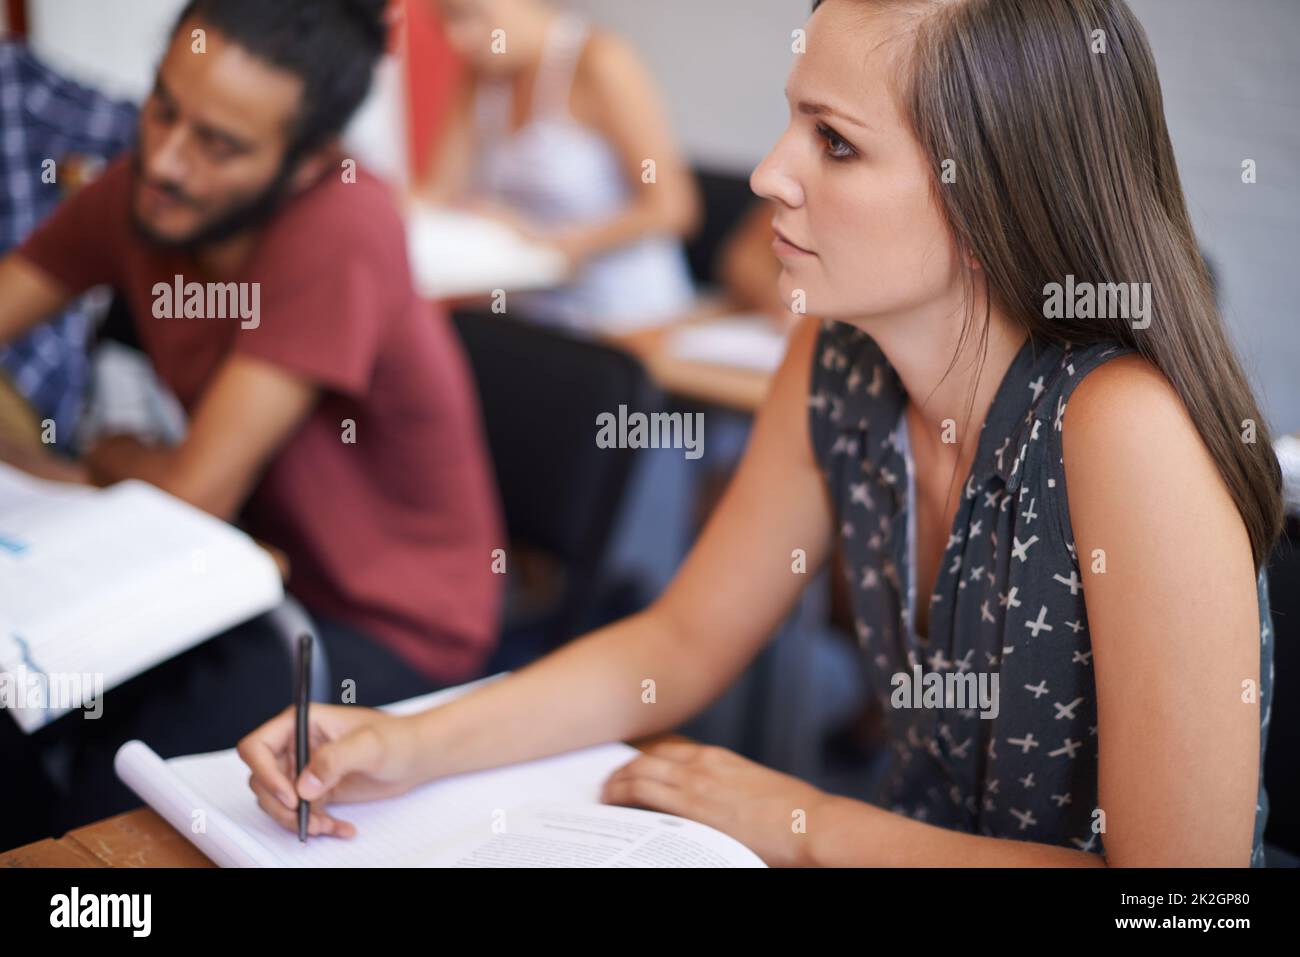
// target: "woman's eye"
[[836, 147]]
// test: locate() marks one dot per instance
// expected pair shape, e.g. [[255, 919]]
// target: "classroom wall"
[[1231, 76]]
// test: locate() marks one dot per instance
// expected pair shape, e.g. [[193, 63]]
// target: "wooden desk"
[[138, 838]]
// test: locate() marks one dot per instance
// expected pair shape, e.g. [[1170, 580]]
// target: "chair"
[[540, 392], [289, 620]]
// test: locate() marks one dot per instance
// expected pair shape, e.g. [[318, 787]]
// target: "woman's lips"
[[784, 247]]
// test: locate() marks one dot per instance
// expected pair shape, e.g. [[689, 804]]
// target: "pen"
[[302, 689]]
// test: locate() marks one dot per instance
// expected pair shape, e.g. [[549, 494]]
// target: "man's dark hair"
[[332, 45]]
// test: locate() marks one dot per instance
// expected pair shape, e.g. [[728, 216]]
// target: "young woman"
[[1093, 538], [552, 131]]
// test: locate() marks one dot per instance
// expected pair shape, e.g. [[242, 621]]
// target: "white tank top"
[[562, 174]]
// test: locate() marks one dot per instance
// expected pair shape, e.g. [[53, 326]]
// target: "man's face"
[[213, 138]]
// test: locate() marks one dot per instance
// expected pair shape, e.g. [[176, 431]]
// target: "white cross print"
[[938, 662], [1024, 743], [873, 389], [1039, 689], [1081, 657], [1028, 780], [1061, 799], [1029, 514], [1084, 845], [963, 663], [1033, 436], [1005, 444], [870, 579], [1066, 710], [976, 527], [991, 499], [1026, 818], [1037, 386], [1075, 626], [1040, 623], [1009, 600], [985, 614], [959, 750], [1067, 749], [1073, 583], [1021, 549], [860, 494]]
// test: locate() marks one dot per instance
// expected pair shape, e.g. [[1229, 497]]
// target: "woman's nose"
[[773, 179]]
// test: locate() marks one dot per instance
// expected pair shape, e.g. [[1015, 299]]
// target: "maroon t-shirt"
[[393, 533]]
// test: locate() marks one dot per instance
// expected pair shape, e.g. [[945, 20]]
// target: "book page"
[[102, 585], [598, 835]]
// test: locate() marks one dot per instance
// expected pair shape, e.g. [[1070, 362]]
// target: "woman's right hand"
[[357, 754]]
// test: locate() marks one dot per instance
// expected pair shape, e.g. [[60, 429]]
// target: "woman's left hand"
[[765, 810]]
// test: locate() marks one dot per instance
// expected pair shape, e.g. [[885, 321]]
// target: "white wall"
[[112, 44]]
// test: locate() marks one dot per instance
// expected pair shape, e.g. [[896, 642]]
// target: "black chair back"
[[541, 392]]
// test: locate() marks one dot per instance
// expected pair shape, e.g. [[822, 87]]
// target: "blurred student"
[[1126, 619], [331, 414], [46, 117], [558, 128], [748, 270]]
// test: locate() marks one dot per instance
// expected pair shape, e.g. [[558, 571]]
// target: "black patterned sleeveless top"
[[1008, 601]]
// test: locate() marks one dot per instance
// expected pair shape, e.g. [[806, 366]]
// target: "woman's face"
[[858, 229]]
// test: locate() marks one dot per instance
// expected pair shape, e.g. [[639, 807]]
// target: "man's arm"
[[248, 412], [27, 296]]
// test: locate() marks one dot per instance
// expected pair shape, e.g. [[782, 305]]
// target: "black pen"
[[302, 694]]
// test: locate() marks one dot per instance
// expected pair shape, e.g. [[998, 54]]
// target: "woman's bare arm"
[[730, 594]]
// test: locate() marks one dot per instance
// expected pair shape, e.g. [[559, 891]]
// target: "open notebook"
[[97, 586], [543, 813]]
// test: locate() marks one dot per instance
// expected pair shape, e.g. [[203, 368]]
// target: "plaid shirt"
[[44, 116]]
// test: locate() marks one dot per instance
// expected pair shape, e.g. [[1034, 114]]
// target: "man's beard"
[[246, 215]]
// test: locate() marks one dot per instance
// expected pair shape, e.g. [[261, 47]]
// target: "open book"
[[543, 813], [97, 586]]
